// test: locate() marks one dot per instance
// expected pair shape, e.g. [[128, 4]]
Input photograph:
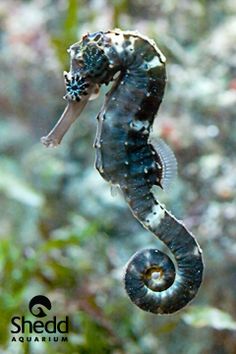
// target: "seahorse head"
[[89, 67]]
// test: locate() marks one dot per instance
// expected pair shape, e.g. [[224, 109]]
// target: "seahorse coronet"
[[128, 156]]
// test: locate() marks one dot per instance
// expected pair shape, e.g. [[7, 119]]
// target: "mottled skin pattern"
[[126, 157]]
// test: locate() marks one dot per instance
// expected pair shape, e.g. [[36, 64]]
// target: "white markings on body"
[[139, 125], [154, 218], [196, 251], [154, 62]]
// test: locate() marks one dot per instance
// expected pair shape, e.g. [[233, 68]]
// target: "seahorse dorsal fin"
[[168, 161]]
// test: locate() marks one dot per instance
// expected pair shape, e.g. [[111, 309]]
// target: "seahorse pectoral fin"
[[167, 159]]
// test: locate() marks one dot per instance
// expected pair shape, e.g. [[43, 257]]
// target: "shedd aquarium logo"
[[50, 329]]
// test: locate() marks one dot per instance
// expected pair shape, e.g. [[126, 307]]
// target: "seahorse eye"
[[95, 61]]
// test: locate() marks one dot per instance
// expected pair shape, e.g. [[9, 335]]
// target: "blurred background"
[[63, 233]]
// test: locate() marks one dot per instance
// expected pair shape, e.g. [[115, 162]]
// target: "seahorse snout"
[[77, 96]]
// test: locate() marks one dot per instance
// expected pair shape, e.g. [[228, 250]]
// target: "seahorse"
[[129, 156]]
